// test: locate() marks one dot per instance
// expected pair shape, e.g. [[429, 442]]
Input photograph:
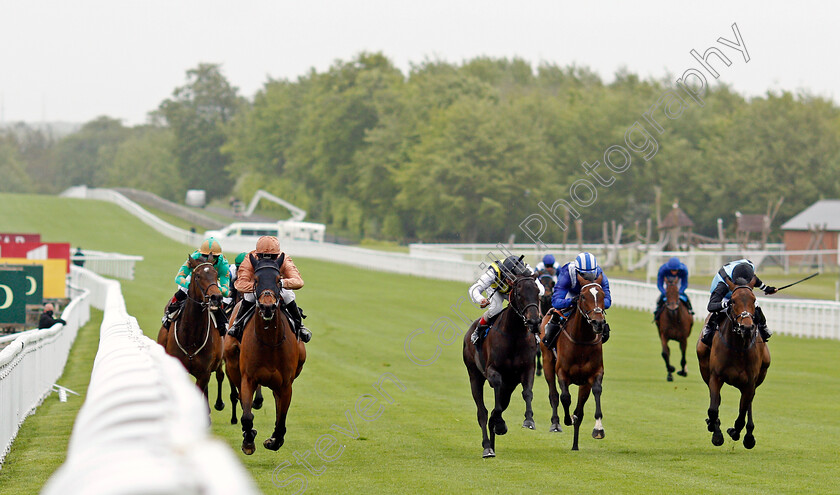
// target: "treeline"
[[449, 152]]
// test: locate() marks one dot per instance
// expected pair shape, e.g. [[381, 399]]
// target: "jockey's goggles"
[[210, 258], [270, 256]]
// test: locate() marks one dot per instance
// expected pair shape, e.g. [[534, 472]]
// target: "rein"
[[735, 318], [273, 267], [204, 304], [589, 320]]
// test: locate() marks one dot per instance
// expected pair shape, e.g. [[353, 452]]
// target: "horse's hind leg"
[[258, 398], [598, 431], [220, 378], [539, 363], [553, 399], [477, 386], [666, 355], [282, 400], [683, 346], [583, 394], [713, 421]]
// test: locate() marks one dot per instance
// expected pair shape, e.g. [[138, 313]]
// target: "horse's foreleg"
[[503, 392], [713, 421], [202, 381], [565, 399], [282, 399], [527, 381], [553, 398], [477, 386], [220, 378], [538, 368], [666, 355], [577, 419], [683, 346], [246, 394], [747, 394], [749, 439], [703, 353], [598, 431]]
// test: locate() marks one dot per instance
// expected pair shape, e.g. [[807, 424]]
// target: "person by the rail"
[[671, 268], [496, 283], [47, 320], [268, 247], [568, 289], [210, 251], [740, 272]]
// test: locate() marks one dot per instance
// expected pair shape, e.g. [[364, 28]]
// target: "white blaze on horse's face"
[[594, 292]]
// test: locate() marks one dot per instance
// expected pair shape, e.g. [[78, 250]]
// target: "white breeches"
[[287, 295], [497, 301]]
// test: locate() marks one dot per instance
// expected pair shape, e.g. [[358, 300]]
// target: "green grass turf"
[[428, 441], [41, 445]]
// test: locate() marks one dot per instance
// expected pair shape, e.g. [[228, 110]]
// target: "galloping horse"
[[270, 354], [505, 359], [738, 357], [545, 306], [194, 337], [674, 323], [577, 358]]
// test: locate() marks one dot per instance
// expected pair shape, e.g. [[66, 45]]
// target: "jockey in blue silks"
[[548, 266], [671, 268], [568, 288], [739, 272]]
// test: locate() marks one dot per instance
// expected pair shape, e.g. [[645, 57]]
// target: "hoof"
[[749, 441], [717, 439], [682, 373], [488, 452], [233, 421], [597, 433], [539, 372], [273, 443], [733, 433], [258, 403], [567, 421], [575, 420], [555, 428], [500, 428], [710, 426], [670, 377], [220, 406], [671, 369], [528, 423], [248, 448]]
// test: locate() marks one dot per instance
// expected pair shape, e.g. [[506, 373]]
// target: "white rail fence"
[[460, 262], [109, 264], [144, 426], [31, 364]]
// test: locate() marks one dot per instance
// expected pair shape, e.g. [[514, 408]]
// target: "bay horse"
[[505, 359], [270, 355], [674, 323], [739, 357], [576, 358], [545, 306], [194, 337]]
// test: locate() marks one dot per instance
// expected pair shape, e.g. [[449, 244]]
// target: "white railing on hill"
[[144, 426], [460, 263], [108, 264], [31, 364]]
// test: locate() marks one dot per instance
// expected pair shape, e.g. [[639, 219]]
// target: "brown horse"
[[194, 337], [505, 360], [545, 306], [270, 354], [674, 323], [577, 359], [738, 357]]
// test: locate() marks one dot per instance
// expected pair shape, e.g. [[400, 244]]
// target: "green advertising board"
[[35, 283], [13, 288]]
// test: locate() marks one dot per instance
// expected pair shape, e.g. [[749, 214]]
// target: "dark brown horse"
[[270, 355], [738, 357], [505, 359], [577, 359], [674, 323], [194, 337]]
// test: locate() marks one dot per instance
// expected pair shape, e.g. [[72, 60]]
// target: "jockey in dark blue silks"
[[671, 268], [568, 288], [548, 266], [740, 272]]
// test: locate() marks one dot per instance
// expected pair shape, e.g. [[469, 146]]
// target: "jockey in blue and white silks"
[[739, 272], [568, 287], [671, 268]]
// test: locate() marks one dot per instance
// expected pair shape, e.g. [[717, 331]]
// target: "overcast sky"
[[75, 60]]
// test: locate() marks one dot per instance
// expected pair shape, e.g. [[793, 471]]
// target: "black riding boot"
[[605, 333], [175, 305], [761, 323], [478, 334], [711, 327], [552, 328], [297, 318], [221, 321], [242, 315]]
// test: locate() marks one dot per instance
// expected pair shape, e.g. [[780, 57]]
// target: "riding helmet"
[[673, 264], [268, 244], [548, 260], [742, 274], [210, 246]]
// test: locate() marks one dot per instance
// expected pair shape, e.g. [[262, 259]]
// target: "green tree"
[[145, 161], [83, 158]]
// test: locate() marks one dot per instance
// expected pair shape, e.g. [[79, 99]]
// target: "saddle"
[[242, 321]]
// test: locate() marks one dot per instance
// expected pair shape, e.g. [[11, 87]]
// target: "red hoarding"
[[19, 238], [37, 251]]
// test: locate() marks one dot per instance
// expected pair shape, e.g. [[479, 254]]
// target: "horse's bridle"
[[205, 298], [276, 293], [595, 310], [736, 318], [672, 280], [516, 310], [204, 304]]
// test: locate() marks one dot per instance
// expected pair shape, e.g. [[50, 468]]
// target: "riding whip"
[[798, 281]]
